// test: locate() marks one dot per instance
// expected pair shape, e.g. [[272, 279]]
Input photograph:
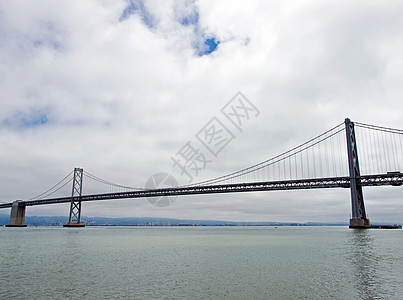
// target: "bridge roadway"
[[391, 178]]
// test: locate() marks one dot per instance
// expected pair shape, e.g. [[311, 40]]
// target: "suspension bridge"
[[329, 160]]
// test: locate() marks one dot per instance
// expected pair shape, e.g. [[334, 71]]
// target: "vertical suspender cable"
[[393, 150], [387, 151]]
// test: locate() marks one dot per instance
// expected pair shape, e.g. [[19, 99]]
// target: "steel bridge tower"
[[75, 204], [358, 216]]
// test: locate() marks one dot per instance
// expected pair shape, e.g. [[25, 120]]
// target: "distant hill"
[[99, 221]]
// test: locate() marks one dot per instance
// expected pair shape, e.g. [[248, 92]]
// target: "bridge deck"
[[394, 179]]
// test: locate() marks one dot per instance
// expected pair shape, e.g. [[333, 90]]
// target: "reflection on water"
[[365, 264]]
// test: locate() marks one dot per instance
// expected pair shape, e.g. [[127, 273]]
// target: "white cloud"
[[122, 97]]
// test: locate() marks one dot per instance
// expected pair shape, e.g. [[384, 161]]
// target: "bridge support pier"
[[17, 215], [75, 204], [359, 223], [359, 218]]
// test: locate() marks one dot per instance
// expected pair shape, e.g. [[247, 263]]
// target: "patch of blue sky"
[[191, 19], [34, 121], [209, 46], [202, 45], [25, 120], [137, 7]]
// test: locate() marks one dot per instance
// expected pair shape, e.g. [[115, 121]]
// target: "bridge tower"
[[75, 204], [358, 216]]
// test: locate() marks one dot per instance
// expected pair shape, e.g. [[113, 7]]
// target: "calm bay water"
[[200, 263]]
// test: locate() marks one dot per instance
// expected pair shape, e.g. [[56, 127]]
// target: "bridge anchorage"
[[319, 163]]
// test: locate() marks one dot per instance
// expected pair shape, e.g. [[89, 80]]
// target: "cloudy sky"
[[119, 87]]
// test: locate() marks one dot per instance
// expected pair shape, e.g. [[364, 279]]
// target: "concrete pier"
[[360, 223], [74, 225], [17, 216], [365, 224]]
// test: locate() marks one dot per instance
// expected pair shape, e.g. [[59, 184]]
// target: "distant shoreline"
[[160, 222], [101, 221]]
